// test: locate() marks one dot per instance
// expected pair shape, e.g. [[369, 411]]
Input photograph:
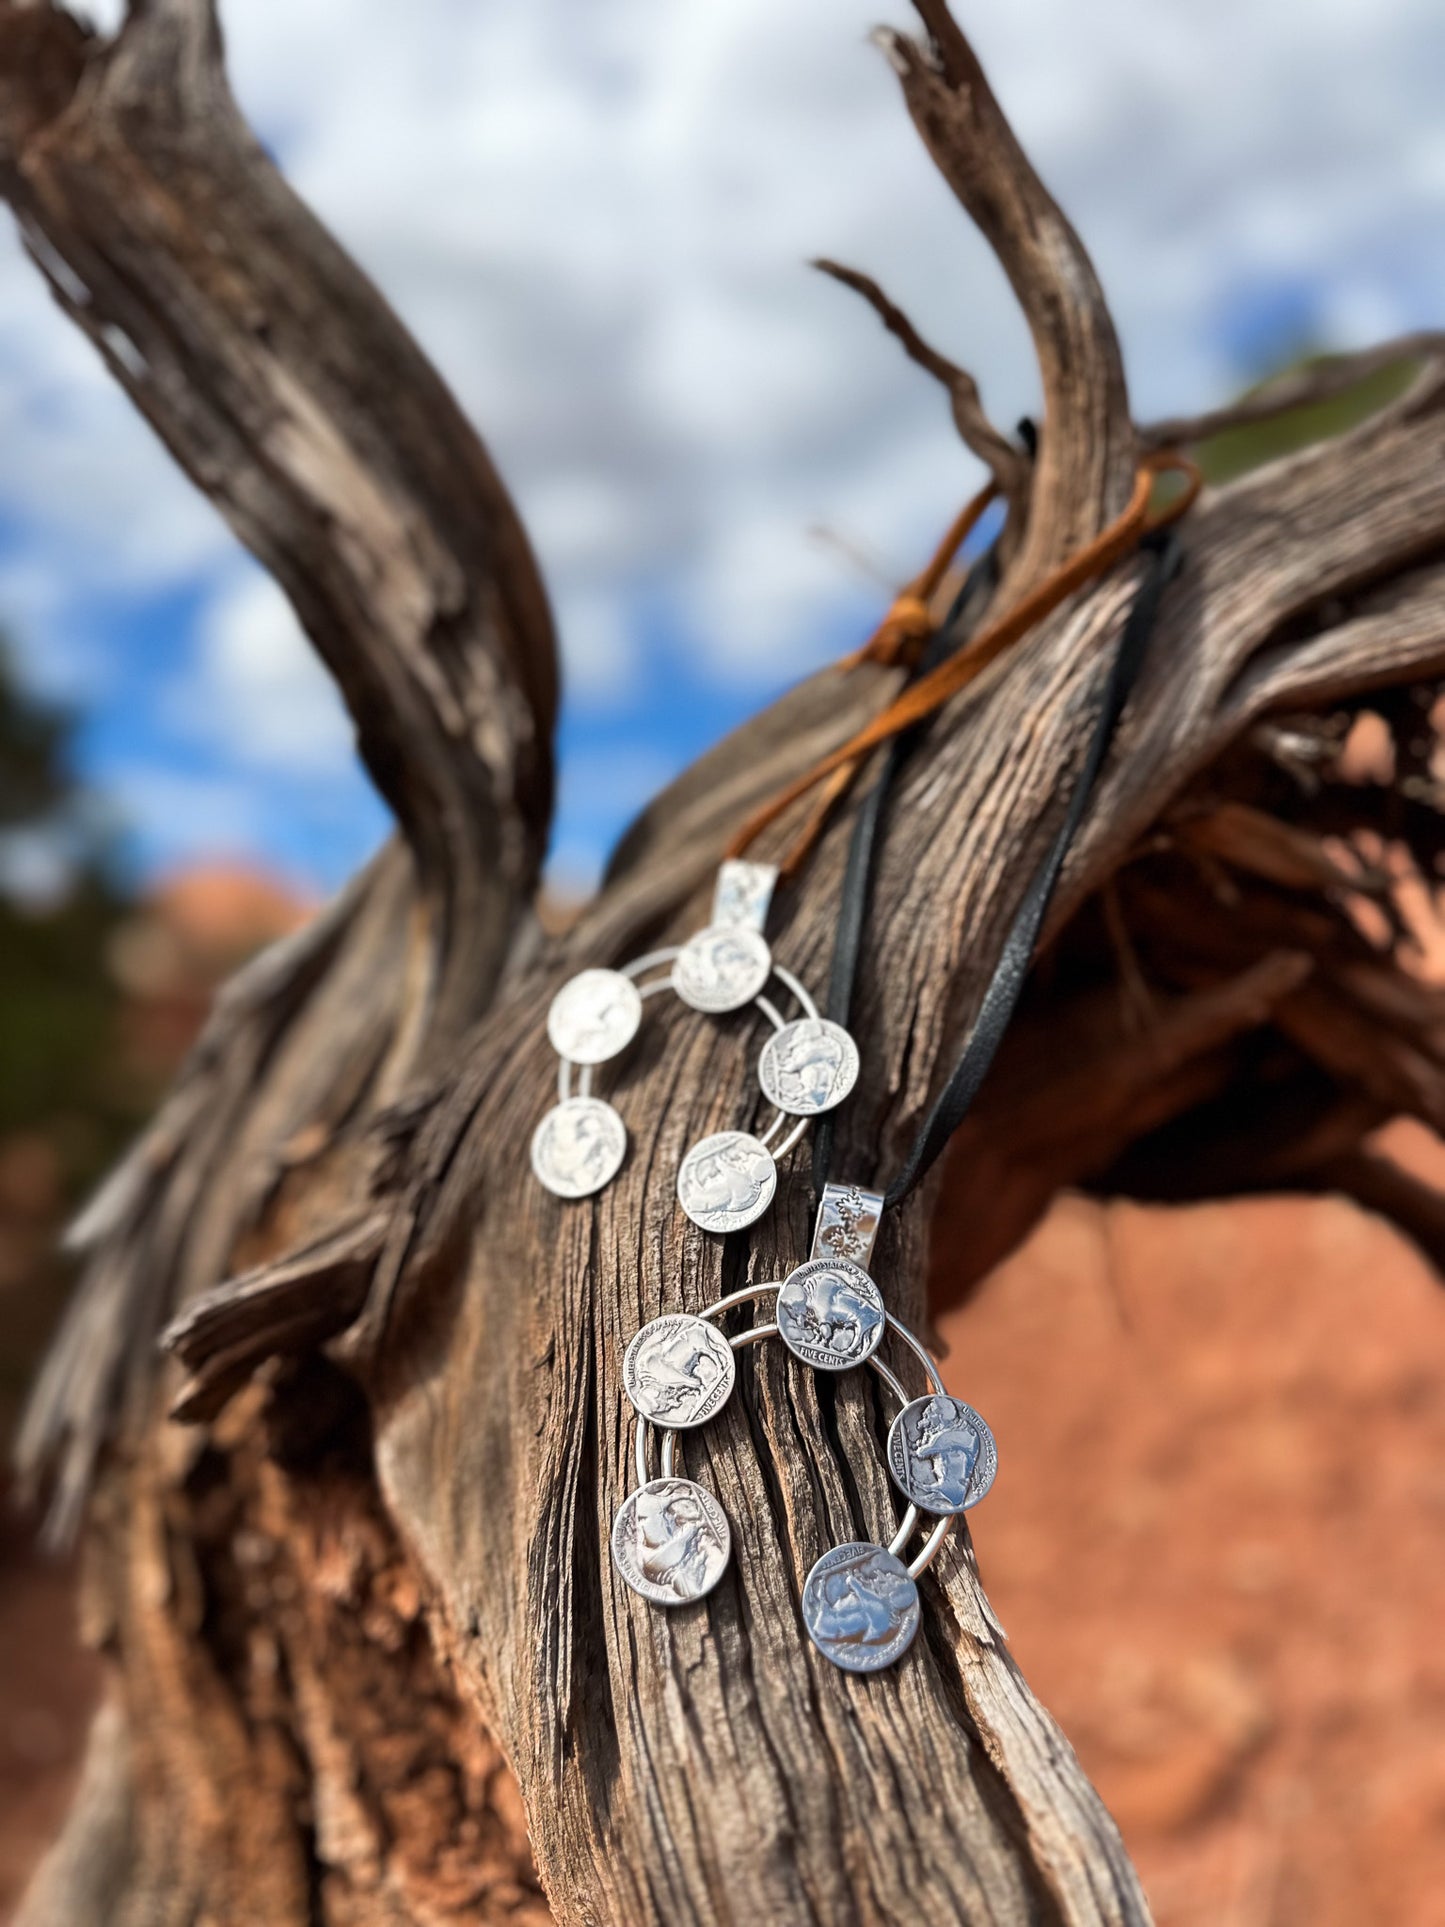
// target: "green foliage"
[[58, 1005], [1240, 449]]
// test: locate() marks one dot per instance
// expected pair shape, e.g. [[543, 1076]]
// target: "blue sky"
[[595, 219]]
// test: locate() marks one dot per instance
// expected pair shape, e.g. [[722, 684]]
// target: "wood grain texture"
[[373, 1563], [1087, 447], [289, 391]]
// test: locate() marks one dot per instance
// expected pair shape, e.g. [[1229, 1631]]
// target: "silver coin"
[[594, 1016], [722, 967], [671, 1541], [941, 1454], [809, 1066], [679, 1370], [860, 1607], [727, 1181], [830, 1314], [578, 1147]]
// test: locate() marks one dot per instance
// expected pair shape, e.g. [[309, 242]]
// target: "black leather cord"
[[857, 888], [1001, 997]]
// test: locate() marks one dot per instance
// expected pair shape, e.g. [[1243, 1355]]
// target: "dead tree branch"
[[288, 390], [1008, 465], [1325, 378], [380, 1565], [1087, 446]]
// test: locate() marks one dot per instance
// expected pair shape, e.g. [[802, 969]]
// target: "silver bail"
[[847, 1223], [743, 893]]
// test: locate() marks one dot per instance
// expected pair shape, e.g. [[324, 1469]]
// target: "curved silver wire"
[[584, 1082], [754, 1335], [744, 1297], [769, 1010], [749, 1294], [932, 1546], [639, 964], [919, 1350], [810, 1009], [565, 1066]]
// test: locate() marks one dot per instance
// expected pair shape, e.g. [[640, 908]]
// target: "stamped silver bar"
[[743, 893], [847, 1223]]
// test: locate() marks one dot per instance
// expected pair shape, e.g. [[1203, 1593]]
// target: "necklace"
[[670, 1540], [808, 1065]]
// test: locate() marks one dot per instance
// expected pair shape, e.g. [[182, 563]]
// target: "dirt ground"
[[47, 1689], [1217, 1540]]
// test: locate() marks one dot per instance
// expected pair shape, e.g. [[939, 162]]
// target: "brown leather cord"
[[899, 641], [901, 635], [930, 692], [834, 787]]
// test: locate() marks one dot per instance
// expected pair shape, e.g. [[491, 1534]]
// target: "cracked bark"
[[371, 1565]]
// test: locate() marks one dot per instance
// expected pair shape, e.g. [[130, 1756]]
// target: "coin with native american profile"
[[679, 1370], [727, 1181], [831, 1314], [808, 1066], [941, 1454], [671, 1541], [594, 1015], [860, 1607], [578, 1147], [722, 968]]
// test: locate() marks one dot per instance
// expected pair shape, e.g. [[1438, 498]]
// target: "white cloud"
[[255, 692], [613, 783], [595, 218], [600, 648], [188, 816]]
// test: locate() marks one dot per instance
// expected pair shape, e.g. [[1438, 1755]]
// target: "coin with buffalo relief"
[[860, 1607], [830, 1314], [594, 1016], [671, 1541], [808, 1066], [727, 1181], [578, 1147], [941, 1454], [679, 1370], [722, 967]]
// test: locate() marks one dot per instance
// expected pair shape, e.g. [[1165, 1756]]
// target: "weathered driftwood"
[[372, 1563]]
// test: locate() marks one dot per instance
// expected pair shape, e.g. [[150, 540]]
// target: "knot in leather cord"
[[924, 697], [899, 638], [904, 632]]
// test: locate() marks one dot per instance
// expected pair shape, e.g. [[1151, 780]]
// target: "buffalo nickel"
[[671, 1541], [727, 1181], [831, 1314], [808, 1067], [941, 1454], [722, 967], [579, 1147], [679, 1370], [594, 1016], [860, 1607]]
